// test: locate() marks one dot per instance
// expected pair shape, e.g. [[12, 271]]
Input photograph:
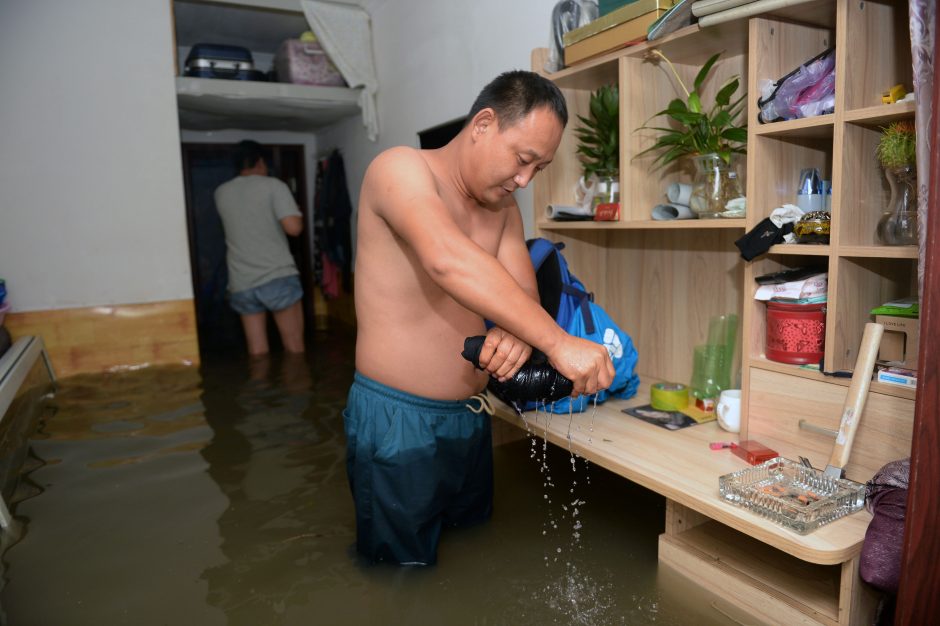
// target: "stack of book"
[[620, 27]]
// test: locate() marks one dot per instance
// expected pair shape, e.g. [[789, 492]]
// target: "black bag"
[[209, 60]]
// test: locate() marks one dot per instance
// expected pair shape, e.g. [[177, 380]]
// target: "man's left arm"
[[503, 354]]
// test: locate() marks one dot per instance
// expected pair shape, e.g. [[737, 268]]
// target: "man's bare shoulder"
[[398, 176], [397, 162]]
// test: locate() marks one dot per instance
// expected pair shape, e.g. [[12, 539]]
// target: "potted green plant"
[[599, 144], [897, 155], [711, 136]]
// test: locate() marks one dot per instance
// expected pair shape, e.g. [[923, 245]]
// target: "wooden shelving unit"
[[662, 282]]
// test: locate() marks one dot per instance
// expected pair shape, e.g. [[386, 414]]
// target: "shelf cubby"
[[650, 85], [779, 46], [775, 163], [864, 190], [863, 283], [756, 310], [875, 64]]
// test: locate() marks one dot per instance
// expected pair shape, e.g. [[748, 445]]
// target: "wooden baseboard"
[[95, 339]]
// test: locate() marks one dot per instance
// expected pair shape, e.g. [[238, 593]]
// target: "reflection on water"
[[218, 496]]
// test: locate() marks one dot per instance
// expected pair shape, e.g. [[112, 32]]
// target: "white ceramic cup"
[[729, 410]]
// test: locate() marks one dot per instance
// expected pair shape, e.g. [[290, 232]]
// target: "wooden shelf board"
[[819, 126], [693, 44], [881, 113], [800, 249], [820, 13], [762, 362], [590, 74], [806, 586], [643, 224], [880, 252], [679, 465]]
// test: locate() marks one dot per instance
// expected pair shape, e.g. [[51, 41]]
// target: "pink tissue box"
[[305, 63]]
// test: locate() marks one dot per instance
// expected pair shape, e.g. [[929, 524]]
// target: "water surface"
[[218, 495]]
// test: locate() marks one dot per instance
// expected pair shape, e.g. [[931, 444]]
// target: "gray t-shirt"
[[251, 208]]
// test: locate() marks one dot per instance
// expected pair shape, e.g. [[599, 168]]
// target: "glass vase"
[[607, 190], [716, 183], [898, 225]]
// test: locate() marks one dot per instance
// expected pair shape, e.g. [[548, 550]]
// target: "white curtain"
[[345, 33]]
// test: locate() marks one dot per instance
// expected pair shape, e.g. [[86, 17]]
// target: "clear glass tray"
[[795, 496]]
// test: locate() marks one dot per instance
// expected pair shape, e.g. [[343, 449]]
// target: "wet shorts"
[[273, 295], [414, 466]]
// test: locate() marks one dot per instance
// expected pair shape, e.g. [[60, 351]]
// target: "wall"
[[91, 192], [433, 76]]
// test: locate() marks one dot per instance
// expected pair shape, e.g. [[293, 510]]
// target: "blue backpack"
[[568, 301]]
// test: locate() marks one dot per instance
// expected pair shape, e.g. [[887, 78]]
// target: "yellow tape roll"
[[669, 396]]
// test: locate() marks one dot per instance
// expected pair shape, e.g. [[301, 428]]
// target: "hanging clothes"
[[332, 221]]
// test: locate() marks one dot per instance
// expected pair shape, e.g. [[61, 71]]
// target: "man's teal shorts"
[[414, 465]]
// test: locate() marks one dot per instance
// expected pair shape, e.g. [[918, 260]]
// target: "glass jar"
[[607, 190], [898, 225], [716, 183]]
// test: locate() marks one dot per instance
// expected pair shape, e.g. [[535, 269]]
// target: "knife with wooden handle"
[[855, 399]]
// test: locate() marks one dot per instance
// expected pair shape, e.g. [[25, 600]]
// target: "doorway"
[[205, 167]]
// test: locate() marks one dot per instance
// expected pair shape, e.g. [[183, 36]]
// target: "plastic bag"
[[806, 91], [567, 16]]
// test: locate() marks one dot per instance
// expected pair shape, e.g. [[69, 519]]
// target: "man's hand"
[[584, 363], [503, 354]]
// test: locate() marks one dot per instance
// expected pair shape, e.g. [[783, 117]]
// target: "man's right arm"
[[285, 209], [293, 225], [402, 191]]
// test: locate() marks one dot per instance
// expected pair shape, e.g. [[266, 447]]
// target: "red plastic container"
[[796, 333]]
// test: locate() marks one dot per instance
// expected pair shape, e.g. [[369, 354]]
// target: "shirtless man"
[[441, 248]]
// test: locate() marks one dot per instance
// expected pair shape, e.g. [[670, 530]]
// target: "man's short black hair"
[[247, 154], [514, 94]]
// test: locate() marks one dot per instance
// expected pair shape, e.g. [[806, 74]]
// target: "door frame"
[[276, 151]]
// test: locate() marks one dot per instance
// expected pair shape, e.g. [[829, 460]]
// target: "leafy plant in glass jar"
[[599, 144], [710, 136], [897, 155]]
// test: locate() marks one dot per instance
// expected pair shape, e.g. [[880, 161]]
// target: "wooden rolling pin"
[[855, 399]]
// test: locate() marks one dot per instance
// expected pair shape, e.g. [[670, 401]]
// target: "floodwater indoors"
[[218, 495]]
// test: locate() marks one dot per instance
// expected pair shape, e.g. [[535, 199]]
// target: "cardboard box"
[[901, 340], [618, 16], [893, 377]]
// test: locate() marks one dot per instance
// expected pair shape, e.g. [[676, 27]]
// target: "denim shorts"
[[273, 295]]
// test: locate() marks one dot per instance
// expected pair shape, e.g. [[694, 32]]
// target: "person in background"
[[258, 213], [441, 248]]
